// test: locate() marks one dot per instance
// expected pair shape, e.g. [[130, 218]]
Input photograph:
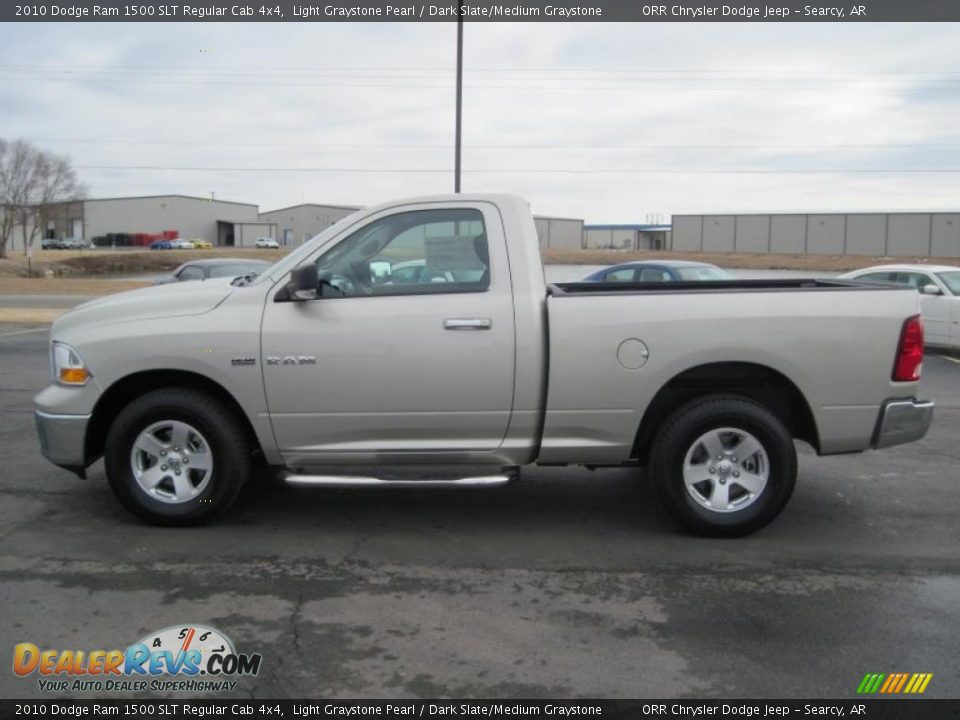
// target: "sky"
[[614, 123]]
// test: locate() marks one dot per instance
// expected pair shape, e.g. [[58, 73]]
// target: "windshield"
[[286, 264], [951, 280], [703, 272]]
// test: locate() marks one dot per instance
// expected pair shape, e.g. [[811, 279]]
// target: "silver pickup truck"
[[417, 344]]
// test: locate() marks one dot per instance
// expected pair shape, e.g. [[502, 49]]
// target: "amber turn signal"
[[74, 376]]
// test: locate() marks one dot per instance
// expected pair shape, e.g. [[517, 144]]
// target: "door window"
[[951, 280], [621, 275], [419, 252], [913, 279], [882, 277], [654, 275], [190, 272]]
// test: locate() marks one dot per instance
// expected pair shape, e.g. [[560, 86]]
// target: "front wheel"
[[723, 465], [176, 456]]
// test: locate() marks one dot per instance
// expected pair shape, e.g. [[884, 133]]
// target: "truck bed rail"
[[707, 286]]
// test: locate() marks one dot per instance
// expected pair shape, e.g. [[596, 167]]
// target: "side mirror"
[[302, 286], [930, 290]]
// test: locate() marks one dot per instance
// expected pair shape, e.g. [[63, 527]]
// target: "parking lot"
[[569, 583]]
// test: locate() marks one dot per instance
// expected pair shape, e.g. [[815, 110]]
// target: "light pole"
[[456, 160]]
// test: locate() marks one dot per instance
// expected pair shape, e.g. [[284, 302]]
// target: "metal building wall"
[[788, 233], [718, 233], [246, 234], [752, 233], [945, 235], [190, 217], [866, 234], [608, 238], [908, 235], [878, 234], [559, 233], [687, 232], [825, 234], [299, 223]]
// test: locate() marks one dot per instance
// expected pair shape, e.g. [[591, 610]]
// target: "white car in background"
[[181, 244], [939, 288], [268, 243]]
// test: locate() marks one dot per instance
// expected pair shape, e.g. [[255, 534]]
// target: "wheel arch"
[[122, 392], [760, 383]]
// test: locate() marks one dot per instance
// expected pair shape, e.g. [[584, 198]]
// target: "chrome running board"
[[359, 481]]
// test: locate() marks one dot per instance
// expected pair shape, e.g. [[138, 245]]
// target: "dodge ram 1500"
[[420, 335]]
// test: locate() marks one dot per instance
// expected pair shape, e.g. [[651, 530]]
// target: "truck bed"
[[835, 339]]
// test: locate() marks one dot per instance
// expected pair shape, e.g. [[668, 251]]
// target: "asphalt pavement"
[[569, 583]]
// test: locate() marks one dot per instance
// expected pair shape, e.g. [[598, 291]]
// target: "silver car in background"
[[939, 288], [215, 268]]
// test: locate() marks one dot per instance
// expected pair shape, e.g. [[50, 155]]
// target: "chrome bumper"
[[62, 438], [902, 421]]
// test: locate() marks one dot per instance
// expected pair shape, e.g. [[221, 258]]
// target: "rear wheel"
[[176, 457], [723, 465]]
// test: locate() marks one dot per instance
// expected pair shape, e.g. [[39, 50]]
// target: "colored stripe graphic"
[[903, 680], [870, 683], [894, 683]]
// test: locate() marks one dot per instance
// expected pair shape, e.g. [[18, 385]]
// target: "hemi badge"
[[243, 361]]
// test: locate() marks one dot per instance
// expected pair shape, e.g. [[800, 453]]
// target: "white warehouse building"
[[893, 234], [298, 223], [557, 233], [118, 221], [135, 221]]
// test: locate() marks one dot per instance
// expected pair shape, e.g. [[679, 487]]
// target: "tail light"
[[909, 351]]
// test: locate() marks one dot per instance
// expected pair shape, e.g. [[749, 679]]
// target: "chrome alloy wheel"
[[726, 470], [171, 461]]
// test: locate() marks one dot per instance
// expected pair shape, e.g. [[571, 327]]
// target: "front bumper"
[[902, 421], [62, 439]]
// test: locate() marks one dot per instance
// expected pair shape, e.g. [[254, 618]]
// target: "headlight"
[[67, 366]]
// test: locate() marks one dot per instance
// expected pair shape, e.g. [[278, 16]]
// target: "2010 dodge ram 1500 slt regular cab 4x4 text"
[[421, 334]]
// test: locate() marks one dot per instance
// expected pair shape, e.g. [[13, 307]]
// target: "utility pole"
[[456, 161]]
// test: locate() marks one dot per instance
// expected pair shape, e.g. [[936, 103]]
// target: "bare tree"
[[55, 182], [33, 182], [16, 159]]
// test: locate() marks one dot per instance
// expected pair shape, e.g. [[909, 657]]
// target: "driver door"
[[379, 367]]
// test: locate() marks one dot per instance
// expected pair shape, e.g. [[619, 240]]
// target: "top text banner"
[[481, 11]]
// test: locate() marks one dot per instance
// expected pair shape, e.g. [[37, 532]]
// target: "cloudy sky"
[[612, 123]]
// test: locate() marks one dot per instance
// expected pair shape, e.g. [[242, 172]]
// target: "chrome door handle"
[[467, 324]]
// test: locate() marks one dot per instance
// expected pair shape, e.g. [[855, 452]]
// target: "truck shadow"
[[566, 497]]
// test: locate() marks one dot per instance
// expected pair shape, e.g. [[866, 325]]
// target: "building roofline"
[[556, 217], [300, 205], [169, 195], [627, 226]]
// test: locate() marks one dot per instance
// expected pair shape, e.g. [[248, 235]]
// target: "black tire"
[[219, 426], [680, 434]]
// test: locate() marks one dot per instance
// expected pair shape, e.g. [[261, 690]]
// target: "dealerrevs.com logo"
[[191, 658]]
